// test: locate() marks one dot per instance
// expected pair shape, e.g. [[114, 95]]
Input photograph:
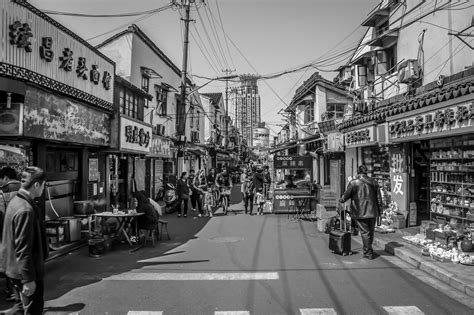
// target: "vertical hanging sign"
[[399, 178]]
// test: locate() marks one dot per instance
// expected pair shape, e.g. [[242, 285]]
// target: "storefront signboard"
[[160, 147], [293, 162], [52, 117], [11, 119], [399, 178], [135, 136], [37, 49], [360, 137], [335, 142], [434, 122]]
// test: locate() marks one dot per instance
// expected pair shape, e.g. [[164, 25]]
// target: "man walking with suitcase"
[[365, 198]]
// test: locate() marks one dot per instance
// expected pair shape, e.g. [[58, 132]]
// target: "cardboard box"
[[399, 221]]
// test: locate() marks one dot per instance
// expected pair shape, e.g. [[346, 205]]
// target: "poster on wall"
[[399, 178], [48, 116]]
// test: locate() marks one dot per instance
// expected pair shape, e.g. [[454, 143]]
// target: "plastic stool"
[[163, 224]]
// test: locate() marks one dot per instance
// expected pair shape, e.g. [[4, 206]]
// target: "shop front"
[[292, 178], [439, 171], [332, 174], [56, 94], [127, 160], [160, 164]]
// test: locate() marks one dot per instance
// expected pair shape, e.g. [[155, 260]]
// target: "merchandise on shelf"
[[452, 180]]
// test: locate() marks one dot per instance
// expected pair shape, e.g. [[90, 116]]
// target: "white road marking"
[[142, 276], [144, 313], [403, 310], [317, 311], [232, 313]]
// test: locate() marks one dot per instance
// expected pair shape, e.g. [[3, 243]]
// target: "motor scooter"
[[167, 195]]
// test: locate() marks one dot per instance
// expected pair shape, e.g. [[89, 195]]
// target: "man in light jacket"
[[365, 198], [24, 247]]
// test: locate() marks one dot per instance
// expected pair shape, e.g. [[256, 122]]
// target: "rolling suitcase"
[[340, 241]]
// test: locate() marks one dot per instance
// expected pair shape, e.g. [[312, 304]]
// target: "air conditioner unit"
[[346, 74], [409, 71]]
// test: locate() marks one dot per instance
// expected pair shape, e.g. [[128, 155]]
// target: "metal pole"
[[181, 107]]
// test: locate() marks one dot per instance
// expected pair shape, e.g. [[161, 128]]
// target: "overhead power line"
[[87, 15]]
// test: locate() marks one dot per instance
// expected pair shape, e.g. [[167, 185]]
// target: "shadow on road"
[[78, 269]]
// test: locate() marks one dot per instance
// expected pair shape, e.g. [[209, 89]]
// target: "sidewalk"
[[457, 276]]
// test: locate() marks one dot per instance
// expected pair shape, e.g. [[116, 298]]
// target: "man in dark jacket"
[[24, 247], [365, 196], [9, 186]]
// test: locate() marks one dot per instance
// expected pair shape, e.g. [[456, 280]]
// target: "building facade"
[[247, 106], [142, 63], [411, 121], [56, 103]]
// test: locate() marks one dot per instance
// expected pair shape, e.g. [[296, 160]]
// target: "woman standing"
[[243, 183], [183, 192], [249, 192]]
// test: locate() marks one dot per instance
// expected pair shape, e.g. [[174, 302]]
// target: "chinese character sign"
[[399, 177]]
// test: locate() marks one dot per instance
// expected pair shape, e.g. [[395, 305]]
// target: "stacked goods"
[[391, 219]]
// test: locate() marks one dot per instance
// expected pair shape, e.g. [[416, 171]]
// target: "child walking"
[[260, 201], [207, 201]]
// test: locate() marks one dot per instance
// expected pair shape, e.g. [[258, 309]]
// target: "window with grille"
[[335, 110], [309, 113], [131, 104]]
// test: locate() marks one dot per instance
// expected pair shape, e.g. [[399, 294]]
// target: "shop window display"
[[452, 180]]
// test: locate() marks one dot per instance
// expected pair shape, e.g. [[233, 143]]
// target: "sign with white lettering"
[[399, 177], [360, 137], [35, 43], [160, 147], [134, 135], [433, 122]]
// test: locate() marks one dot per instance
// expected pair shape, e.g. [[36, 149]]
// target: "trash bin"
[[96, 247], [73, 229]]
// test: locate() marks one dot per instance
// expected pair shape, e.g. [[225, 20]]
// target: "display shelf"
[[453, 158], [452, 183], [452, 216], [449, 193], [453, 205]]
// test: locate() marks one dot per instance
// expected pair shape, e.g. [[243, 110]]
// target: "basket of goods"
[[425, 251], [466, 259]]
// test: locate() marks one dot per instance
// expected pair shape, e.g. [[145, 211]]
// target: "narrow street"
[[250, 264]]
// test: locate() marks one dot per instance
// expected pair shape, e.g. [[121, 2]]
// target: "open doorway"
[[420, 179]]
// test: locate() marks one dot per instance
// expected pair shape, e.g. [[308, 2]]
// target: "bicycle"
[[224, 198]]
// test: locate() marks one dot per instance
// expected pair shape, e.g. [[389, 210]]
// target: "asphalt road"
[[240, 264]]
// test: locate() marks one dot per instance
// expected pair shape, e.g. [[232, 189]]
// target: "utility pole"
[[181, 106], [227, 73]]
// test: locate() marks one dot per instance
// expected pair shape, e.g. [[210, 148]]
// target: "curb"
[[417, 261]]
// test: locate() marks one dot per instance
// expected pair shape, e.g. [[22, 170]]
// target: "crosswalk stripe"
[[403, 310], [144, 313], [142, 276], [317, 311], [232, 313]]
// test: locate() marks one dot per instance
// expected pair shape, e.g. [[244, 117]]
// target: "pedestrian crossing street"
[[390, 310]]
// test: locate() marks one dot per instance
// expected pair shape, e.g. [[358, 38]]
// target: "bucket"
[[96, 247]]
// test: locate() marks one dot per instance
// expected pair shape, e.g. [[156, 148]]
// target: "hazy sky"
[[273, 35]]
